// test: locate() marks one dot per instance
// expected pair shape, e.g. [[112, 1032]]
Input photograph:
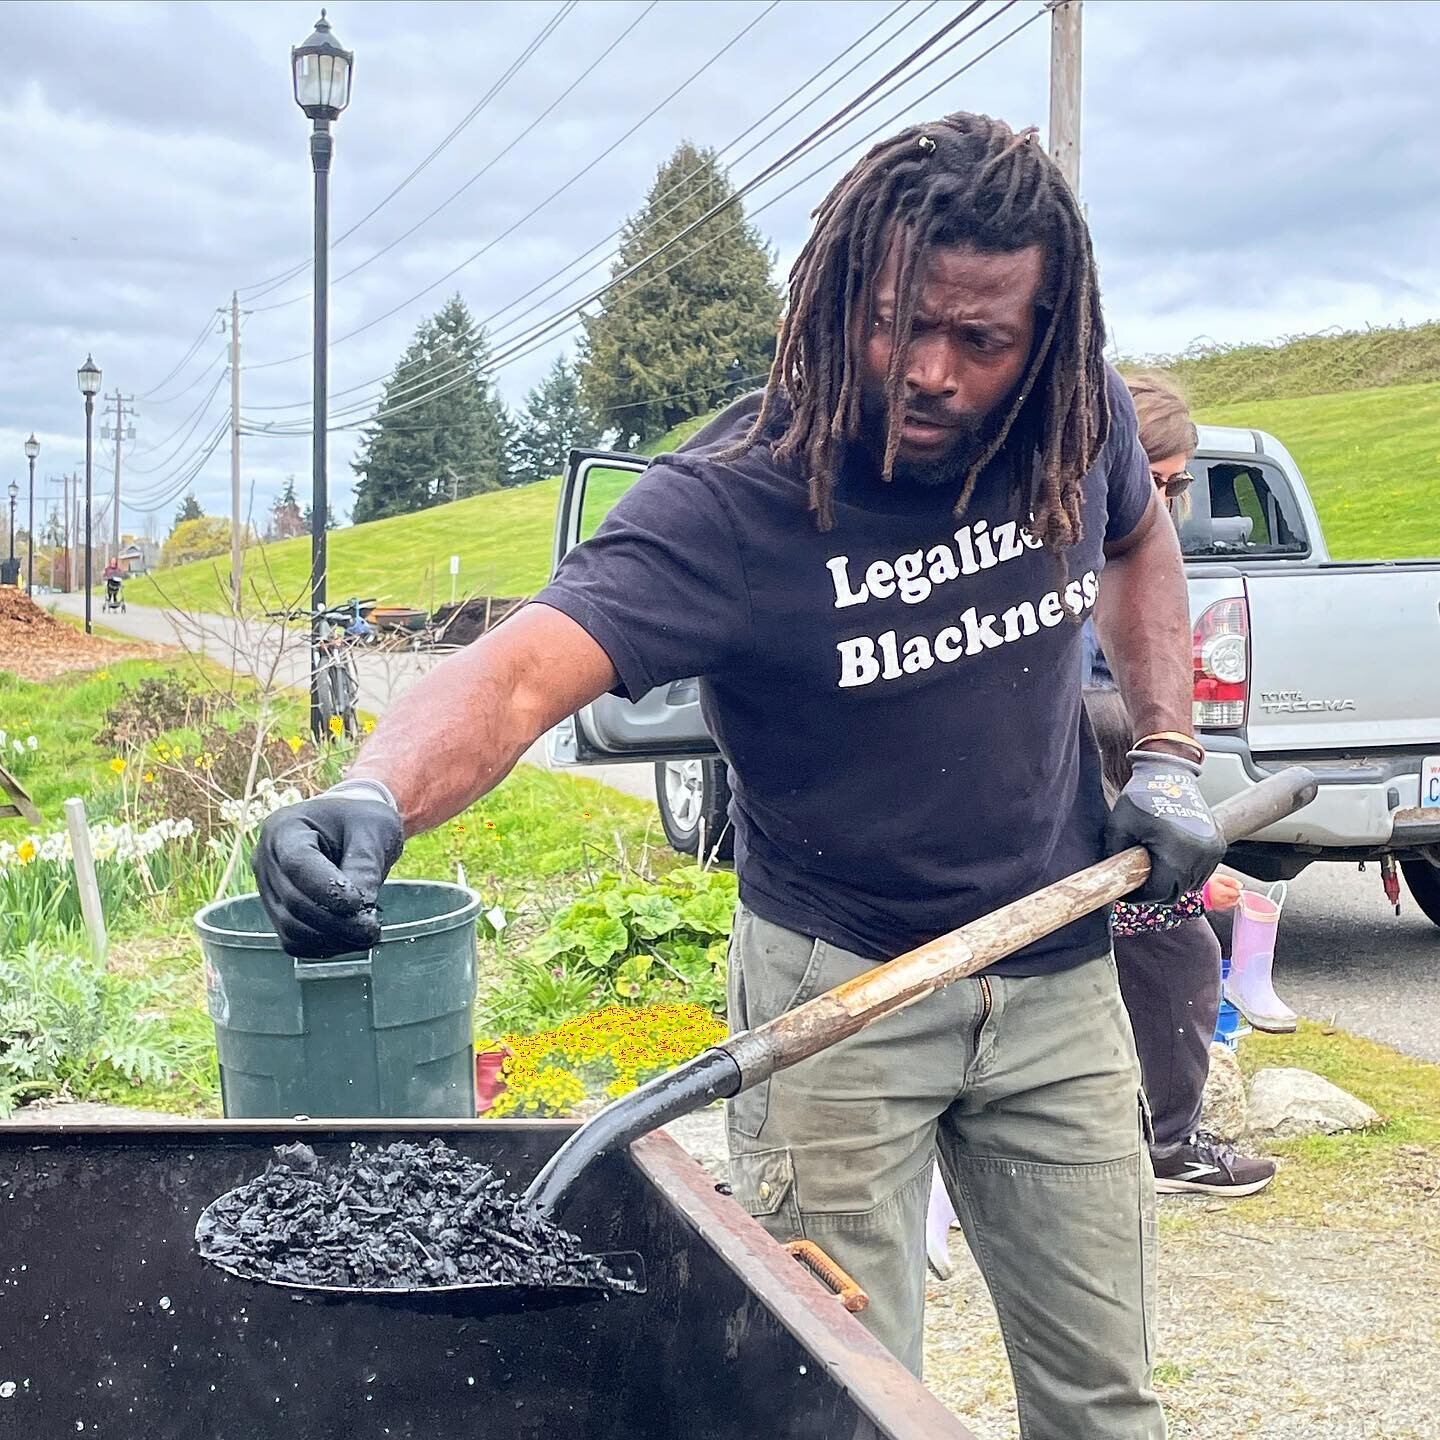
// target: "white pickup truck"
[[1298, 658]]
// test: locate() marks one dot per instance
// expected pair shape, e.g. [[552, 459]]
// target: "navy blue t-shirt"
[[898, 698]]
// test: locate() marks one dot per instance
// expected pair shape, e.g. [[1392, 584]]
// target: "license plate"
[[1430, 783]]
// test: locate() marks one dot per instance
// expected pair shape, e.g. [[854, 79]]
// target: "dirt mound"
[[37, 646]]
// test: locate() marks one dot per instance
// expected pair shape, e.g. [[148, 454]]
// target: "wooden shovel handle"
[[825, 1270], [850, 1007]]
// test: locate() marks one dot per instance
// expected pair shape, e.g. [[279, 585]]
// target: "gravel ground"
[[1274, 1331]]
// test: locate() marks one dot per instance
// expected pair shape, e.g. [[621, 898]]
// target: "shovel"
[[753, 1056]]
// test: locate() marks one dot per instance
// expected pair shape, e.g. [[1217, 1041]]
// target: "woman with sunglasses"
[[1167, 956]]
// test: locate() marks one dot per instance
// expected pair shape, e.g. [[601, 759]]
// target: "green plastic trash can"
[[383, 1033]]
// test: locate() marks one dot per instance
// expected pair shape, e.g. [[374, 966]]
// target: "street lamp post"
[[88, 377], [32, 449], [322, 72], [14, 568]]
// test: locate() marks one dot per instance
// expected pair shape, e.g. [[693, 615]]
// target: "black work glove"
[[319, 866], [1162, 809]]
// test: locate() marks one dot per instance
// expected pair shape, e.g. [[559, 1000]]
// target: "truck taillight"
[[1221, 651]]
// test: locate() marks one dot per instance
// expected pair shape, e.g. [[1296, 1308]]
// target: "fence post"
[[85, 879]]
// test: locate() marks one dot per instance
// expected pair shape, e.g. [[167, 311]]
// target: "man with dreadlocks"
[[880, 570]]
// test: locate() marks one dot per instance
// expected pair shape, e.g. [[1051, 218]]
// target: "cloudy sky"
[[1250, 170]]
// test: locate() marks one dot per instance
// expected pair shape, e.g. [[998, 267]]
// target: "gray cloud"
[[1249, 170]]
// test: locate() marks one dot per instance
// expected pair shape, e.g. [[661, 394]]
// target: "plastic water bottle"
[[1229, 1023]]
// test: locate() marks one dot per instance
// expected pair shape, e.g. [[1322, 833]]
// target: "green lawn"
[[1371, 459], [504, 541]]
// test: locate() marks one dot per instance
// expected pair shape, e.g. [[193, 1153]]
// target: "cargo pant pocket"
[[771, 970], [763, 1181]]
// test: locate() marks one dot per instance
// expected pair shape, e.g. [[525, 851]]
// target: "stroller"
[[114, 594]]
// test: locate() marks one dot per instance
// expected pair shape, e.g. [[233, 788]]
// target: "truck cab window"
[[1241, 509]]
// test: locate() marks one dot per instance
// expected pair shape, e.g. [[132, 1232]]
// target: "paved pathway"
[[252, 646]]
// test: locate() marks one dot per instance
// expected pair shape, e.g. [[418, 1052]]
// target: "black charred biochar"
[[401, 1217]]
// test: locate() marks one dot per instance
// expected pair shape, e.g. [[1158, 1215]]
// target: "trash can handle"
[[349, 968]]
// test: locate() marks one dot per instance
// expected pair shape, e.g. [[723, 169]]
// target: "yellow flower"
[[149, 775], [26, 851], [336, 725], [294, 742], [118, 765], [102, 674], [368, 726]]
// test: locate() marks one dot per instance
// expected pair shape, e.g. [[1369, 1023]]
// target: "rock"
[[1223, 1109], [1286, 1102]]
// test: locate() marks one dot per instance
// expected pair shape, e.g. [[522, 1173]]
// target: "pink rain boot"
[[1248, 987], [937, 1228]]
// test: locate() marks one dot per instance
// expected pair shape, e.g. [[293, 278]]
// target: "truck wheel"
[[1423, 878], [694, 796]]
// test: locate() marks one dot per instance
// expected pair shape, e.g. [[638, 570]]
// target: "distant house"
[[138, 557]]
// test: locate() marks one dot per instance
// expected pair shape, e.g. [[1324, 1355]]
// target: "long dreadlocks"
[[963, 180]]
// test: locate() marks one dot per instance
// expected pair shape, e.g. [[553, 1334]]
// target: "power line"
[[195, 344], [524, 134], [200, 375], [535, 210], [191, 420], [521, 345], [264, 287], [676, 187]]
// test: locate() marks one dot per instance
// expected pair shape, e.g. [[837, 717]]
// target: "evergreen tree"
[[669, 343], [452, 437], [286, 519], [555, 422], [189, 510]]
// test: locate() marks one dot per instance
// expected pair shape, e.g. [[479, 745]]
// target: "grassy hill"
[[504, 541], [1370, 457], [1360, 411]]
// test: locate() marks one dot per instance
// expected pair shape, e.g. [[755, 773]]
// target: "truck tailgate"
[[1345, 657]]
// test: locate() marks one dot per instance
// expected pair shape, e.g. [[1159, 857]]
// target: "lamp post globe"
[[321, 69], [32, 449], [88, 377]]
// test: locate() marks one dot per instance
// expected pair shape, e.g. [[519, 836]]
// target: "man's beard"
[[970, 435]]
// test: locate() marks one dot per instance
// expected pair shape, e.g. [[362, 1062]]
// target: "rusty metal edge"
[[883, 1388]]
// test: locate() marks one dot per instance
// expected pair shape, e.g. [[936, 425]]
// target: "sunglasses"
[[1173, 486]]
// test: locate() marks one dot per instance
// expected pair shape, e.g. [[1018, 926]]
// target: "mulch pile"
[[470, 619], [401, 1217], [36, 646]]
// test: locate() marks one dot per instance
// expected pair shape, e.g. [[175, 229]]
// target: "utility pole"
[[1065, 89], [236, 549], [119, 432], [65, 528]]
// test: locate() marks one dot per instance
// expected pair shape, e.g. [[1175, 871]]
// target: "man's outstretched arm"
[[457, 733], [451, 738]]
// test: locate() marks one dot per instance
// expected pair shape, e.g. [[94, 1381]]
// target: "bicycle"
[[334, 635]]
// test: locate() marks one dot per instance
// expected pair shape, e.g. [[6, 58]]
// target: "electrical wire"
[[263, 287], [171, 399], [192, 420], [535, 210], [195, 344], [525, 134], [674, 189], [866, 100], [172, 488]]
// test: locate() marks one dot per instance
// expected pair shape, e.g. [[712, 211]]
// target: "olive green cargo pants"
[[1029, 1091]]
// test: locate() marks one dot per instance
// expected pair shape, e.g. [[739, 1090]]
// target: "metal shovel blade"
[[624, 1274]]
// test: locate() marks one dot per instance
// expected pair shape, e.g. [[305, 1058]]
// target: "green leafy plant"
[[69, 1026], [628, 940]]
